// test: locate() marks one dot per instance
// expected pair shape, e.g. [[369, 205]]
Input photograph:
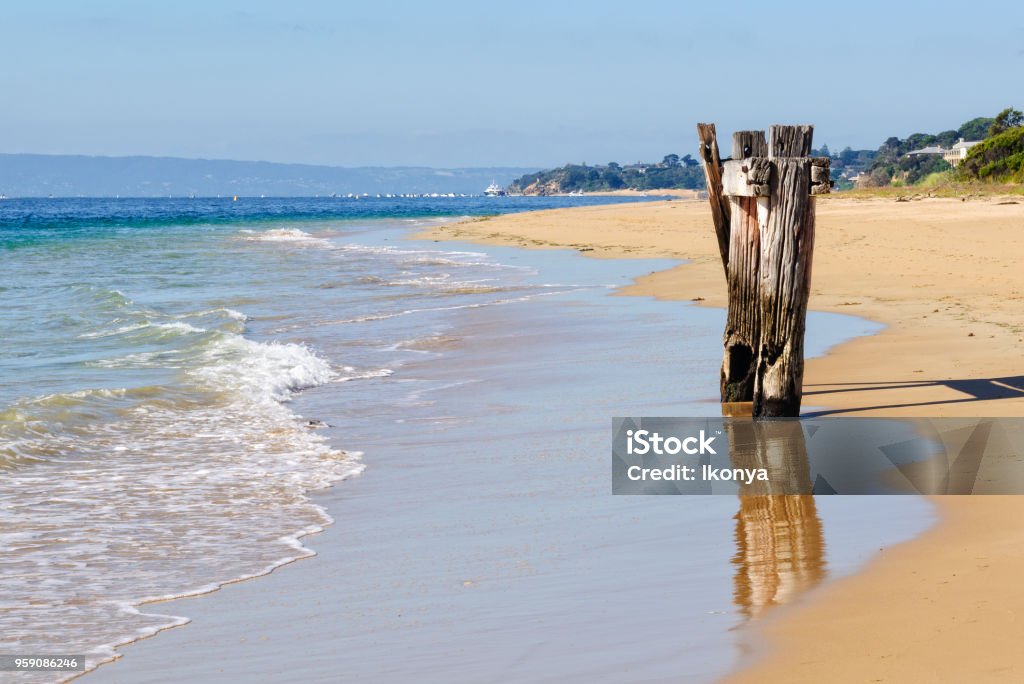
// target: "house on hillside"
[[958, 152], [859, 178], [931, 150], [954, 155]]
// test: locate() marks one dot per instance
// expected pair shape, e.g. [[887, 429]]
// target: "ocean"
[[177, 377]]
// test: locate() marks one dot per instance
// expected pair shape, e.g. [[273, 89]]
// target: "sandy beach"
[[944, 277], [665, 192]]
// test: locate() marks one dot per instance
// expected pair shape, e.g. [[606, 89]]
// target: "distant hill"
[[673, 172], [893, 166], [40, 175]]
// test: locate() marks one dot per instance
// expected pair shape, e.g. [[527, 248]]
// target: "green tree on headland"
[[672, 172], [893, 166], [1000, 158], [976, 129], [1005, 120], [997, 158]]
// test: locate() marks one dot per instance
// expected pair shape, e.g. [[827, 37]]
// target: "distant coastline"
[[61, 175]]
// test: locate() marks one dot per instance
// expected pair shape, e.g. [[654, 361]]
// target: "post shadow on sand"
[[780, 543], [977, 389]]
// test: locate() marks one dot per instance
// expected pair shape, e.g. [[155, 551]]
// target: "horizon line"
[[263, 161]]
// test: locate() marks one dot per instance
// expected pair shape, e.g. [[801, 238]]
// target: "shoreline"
[[664, 193], [534, 568], [946, 293]]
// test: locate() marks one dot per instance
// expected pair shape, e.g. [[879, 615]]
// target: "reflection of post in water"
[[779, 540]]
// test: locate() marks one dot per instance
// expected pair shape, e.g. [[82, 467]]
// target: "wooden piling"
[[764, 194], [712, 163], [742, 326], [787, 244]]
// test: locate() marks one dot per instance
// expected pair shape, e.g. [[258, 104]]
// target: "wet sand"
[[944, 276]]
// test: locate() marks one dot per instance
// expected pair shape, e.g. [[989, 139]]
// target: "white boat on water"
[[494, 190]]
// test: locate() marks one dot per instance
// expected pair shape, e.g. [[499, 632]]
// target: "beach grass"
[[941, 184]]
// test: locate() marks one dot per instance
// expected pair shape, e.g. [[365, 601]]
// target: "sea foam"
[[168, 491], [287, 235]]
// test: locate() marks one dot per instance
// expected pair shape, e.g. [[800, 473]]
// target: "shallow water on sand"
[[151, 351], [482, 542]]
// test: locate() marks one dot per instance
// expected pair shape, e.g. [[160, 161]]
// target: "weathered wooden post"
[[787, 241], [742, 326], [765, 197], [735, 221], [713, 180]]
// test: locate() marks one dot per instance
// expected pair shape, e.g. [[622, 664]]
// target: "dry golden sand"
[[680, 193], [947, 278]]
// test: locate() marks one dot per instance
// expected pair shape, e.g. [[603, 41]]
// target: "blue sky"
[[490, 83]]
